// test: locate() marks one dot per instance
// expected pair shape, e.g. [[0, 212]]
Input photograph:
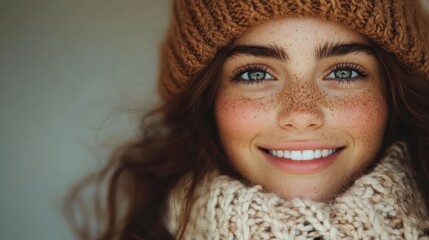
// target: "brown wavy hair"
[[180, 138]]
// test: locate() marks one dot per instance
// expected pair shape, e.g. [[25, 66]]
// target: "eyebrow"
[[338, 49], [276, 52], [269, 51]]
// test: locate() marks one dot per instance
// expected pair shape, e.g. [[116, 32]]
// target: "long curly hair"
[[180, 138]]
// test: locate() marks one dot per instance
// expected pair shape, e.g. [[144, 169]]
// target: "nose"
[[301, 108]]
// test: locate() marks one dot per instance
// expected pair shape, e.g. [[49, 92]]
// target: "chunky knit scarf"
[[379, 205]]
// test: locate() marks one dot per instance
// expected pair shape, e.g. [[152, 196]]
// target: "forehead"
[[297, 32]]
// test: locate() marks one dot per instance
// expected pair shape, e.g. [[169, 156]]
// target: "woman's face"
[[301, 108]]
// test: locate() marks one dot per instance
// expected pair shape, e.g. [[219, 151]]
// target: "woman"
[[280, 119]]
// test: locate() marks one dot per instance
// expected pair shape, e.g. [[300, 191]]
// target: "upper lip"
[[301, 145]]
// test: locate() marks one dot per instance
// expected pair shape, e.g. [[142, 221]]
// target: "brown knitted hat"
[[199, 28]]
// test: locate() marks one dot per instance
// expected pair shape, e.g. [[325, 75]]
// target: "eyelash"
[[347, 66], [255, 67]]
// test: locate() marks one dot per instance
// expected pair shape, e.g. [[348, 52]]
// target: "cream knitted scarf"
[[379, 205]]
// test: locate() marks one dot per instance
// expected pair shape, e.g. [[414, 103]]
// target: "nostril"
[[301, 120]]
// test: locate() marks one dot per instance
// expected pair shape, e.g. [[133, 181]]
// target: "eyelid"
[[347, 65], [236, 75], [247, 67]]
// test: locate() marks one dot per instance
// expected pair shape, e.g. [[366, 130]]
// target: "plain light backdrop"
[[67, 71]]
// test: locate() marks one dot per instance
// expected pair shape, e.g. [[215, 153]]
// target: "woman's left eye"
[[344, 74]]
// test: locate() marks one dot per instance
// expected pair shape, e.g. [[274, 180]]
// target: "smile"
[[303, 155]]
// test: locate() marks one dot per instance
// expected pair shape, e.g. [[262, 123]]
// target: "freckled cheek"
[[239, 118], [364, 117]]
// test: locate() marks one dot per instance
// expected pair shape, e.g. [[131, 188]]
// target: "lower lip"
[[303, 166]]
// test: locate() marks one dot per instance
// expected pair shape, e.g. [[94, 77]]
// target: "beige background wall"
[[67, 68]]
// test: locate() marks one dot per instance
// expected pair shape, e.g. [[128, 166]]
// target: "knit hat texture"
[[199, 28]]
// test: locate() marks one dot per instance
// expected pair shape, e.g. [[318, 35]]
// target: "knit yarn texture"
[[379, 205], [199, 28]]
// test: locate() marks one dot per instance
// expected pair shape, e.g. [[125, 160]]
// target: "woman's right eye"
[[256, 75], [252, 75]]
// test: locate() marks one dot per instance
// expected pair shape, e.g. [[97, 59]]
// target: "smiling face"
[[301, 108]]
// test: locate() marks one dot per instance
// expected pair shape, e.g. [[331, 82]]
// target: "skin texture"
[[298, 105]]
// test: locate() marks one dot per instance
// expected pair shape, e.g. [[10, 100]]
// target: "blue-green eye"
[[255, 75], [252, 73], [346, 72], [343, 74]]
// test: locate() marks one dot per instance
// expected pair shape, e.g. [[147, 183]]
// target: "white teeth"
[[308, 154], [325, 153], [317, 153], [304, 155], [296, 155]]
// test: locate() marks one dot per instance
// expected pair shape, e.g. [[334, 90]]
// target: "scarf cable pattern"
[[380, 205]]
